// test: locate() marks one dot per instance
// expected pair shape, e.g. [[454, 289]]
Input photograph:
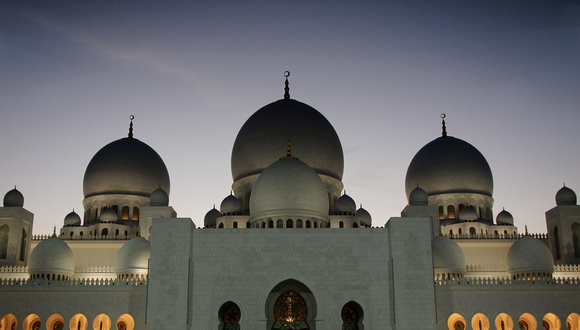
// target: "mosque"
[[288, 249]]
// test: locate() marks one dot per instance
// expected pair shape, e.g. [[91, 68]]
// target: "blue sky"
[[506, 74]]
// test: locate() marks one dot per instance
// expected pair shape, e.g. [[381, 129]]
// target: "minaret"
[[15, 230]]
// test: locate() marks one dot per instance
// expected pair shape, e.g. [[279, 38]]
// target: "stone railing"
[[14, 269], [482, 281], [485, 268], [567, 268], [95, 269], [86, 237], [71, 283], [492, 236]]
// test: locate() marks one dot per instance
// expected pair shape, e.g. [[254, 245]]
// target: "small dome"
[[504, 218], [345, 204], [564, 196], [72, 219], [529, 256], [13, 198], [133, 258], [468, 214], [449, 165], [364, 217], [159, 198], [51, 257], [289, 187], [418, 197], [231, 205], [210, 219], [108, 215], [448, 258]]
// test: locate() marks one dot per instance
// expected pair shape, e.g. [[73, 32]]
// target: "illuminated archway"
[[352, 316], [551, 322], [125, 322], [504, 322], [102, 322], [456, 322], [573, 321], [55, 322], [290, 305], [8, 322], [527, 322], [480, 322], [229, 315], [31, 322], [78, 322]]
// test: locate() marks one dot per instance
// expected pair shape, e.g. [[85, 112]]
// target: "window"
[[289, 223], [351, 316], [576, 239], [441, 215], [125, 213], [451, 212], [290, 312], [230, 316], [4, 241], [23, 245], [136, 213]]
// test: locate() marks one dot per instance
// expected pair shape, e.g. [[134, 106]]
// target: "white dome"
[[565, 196], [529, 256], [364, 217], [504, 218], [72, 219], [51, 257], [468, 214], [13, 198], [133, 258], [108, 215], [286, 188], [418, 197], [448, 257], [345, 204], [230, 205], [210, 219], [159, 197]]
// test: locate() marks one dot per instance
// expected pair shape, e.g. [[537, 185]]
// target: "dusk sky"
[[506, 74]]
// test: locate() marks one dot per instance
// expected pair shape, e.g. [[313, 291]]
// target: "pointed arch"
[[291, 305], [352, 316], [55, 322], [125, 322], [8, 322], [4, 230], [31, 322], [551, 322], [102, 322], [480, 322], [78, 322], [504, 322], [527, 321], [456, 322], [229, 315]]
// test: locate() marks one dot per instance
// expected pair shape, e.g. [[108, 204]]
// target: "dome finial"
[[443, 123], [131, 117], [289, 151], [139, 231], [54, 232], [526, 226], [286, 88]]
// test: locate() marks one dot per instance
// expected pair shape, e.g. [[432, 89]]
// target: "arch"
[[556, 247], [576, 239], [354, 225], [229, 315], [527, 322], [102, 322], [279, 223], [135, 213], [8, 322], [55, 322], [289, 223], [298, 223], [456, 322], [31, 322], [460, 208], [271, 224], [104, 232], [4, 230], [290, 305], [480, 322], [451, 211], [23, 245], [125, 213], [78, 322], [235, 224], [472, 231], [573, 321], [308, 224], [441, 215], [340, 224], [352, 316], [221, 225], [551, 322], [125, 322], [504, 322]]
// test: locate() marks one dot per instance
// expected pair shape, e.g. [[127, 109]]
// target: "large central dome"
[[125, 166], [267, 131]]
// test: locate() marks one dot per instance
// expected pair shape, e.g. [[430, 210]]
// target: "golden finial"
[[131, 117], [54, 232], [289, 152], [444, 128], [286, 88]]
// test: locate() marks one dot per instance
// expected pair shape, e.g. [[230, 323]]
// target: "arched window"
[[456, 322], [23, 245], [576, 239], [235, 224], [78, 322], [104, 232], [248, 225], [279, 223], [271, 224], [503, 322], [136, 213], [221, 225], [450, 232], [298, 223], [4, 241], [556, 246], [351, 315], [460, 208], [117, 232], [8, 322], [441, 215], [116, 208], [341, 224], [125, 213], [459, 231], [289, 223], [125, 322], [230, 316], [308, 224], [480, 322], [102, 321], [472, 231], [450, 211], [290, 312], [354, 225]]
